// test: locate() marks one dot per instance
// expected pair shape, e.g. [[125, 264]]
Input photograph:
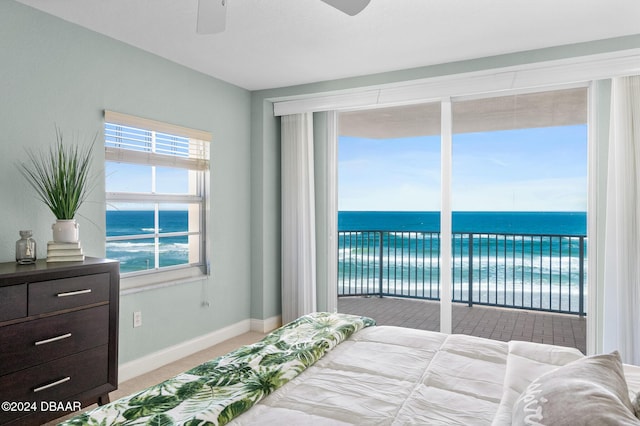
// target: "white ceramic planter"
[[65, 231]]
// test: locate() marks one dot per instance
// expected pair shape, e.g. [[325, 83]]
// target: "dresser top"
[[12, 270]]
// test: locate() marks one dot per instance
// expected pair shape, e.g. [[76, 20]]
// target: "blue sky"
[[123, 177], [540, 169]]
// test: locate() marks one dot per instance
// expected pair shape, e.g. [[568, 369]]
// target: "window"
[[156, 194]]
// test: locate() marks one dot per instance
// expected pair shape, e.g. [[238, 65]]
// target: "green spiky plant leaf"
[[60, 176]]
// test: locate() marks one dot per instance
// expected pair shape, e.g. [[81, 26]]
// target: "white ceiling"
[[276, 43]]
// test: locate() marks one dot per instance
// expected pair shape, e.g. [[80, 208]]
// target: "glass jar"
[[25, 249]]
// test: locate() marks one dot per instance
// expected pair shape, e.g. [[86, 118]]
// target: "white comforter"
[[395, 376]]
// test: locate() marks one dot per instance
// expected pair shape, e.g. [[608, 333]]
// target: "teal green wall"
[[265, 211], [55, 73]]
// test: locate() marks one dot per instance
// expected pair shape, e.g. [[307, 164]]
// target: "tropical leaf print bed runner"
[[219, 390]]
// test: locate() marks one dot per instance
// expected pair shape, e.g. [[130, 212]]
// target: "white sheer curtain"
[[298, 217], [622, 228]]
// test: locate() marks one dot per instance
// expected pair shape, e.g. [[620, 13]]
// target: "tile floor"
[[482, 321]]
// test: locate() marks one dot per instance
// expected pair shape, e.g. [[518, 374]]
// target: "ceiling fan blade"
[[350, 7], [212, 16]]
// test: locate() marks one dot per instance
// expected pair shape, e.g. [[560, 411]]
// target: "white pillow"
[[589, 391]]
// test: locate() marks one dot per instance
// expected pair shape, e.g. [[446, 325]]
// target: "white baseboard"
[[147, 363], [150, 362], [267, 325]]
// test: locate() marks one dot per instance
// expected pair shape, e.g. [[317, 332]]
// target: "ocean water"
[[557, 223], [519, 259], [534, 260], [138, 254]]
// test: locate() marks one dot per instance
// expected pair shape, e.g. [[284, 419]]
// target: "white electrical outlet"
[[137, 319]]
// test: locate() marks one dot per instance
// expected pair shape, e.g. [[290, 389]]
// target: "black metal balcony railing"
[[537, 272]]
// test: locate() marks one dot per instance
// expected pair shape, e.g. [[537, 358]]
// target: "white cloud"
[[559, 194]]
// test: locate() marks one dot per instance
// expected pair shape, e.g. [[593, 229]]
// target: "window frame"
[[196, 159]]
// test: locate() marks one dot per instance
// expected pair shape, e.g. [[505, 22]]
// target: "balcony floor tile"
[[482, 321]]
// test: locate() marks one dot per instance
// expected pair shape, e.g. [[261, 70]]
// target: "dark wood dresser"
[[58, 338]]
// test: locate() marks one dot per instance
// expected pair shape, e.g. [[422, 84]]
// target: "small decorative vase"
[[25, 249], [65, 231]]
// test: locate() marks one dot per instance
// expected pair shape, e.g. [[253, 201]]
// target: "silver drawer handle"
[[50, 385], [74, 293], [53, 339]]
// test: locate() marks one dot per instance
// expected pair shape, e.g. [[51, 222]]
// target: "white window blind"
[[130, 139]]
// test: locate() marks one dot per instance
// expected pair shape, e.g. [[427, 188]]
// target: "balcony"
[[531, 287], [481, 321]]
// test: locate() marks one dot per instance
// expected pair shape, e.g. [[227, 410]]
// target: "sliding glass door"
[[479, 203], [389, 214], [519, 201]]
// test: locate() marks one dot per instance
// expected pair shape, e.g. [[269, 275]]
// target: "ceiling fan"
[[212, 14]]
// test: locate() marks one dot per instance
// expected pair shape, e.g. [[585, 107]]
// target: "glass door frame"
[[446, 148]]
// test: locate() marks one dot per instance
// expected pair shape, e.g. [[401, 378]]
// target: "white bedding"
[[391, 376]]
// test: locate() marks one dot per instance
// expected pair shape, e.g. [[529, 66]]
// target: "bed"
[[337, 369]]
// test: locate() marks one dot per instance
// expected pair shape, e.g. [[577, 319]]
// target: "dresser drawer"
[[13, 302], [35, 342], [56, 295], [56, 380]]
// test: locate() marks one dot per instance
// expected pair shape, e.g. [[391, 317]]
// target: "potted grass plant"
[[61, 178]]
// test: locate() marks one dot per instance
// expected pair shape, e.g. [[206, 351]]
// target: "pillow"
[[636, 405], [589, 391]]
